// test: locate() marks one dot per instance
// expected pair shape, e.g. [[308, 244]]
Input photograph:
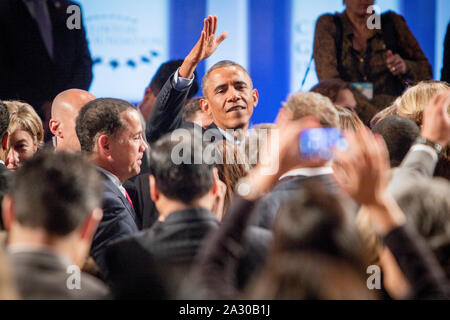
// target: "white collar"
[[230, 137], [308, 172]]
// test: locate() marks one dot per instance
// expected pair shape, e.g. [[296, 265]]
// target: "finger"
[[389, 53], [383, 153], [205, 26], [214, 25], [208, 26], [222, 37]]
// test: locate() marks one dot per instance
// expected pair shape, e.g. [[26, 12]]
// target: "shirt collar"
[[308, 172], [230, 137], [111, 177]]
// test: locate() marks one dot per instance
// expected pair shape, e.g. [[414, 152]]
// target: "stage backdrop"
[[273, 39]]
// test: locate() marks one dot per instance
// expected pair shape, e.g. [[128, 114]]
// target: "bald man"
[[65, 109]]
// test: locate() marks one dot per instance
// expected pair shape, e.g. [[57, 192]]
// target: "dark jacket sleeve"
[[167, 115], [418, 264], [446, 67], [215, 269], [82, 67]]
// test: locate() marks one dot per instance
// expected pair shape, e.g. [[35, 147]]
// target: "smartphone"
[[319, 143]]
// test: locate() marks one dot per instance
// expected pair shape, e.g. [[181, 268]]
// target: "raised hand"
[[362, 170], [395, 64], [204, 48]]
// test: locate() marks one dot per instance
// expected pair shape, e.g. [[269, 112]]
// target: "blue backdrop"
[[271, 38]]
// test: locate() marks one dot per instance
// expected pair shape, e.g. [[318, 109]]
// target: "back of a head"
[[190, 109], [309, 276], [164, 72], [179, 173], [313, 239], [399, 133], [71, 100], [304, 104], [427, 207], [100, 116], [414, 100], [22, 116], [330, 88], [62, 188], [4, 120], [349, 120], [316, 220]]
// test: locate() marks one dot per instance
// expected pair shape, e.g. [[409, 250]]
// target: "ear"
[[104, 144], [83, 244], [90, 225], [55, 127], [7, 212], [255, 96], [216, 179], [154, 192], [5, 141], [204, 105]]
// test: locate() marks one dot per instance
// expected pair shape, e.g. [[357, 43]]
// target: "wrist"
[[432, 141], [187, 69]]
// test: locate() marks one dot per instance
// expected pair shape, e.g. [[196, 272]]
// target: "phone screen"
[[318, 143]]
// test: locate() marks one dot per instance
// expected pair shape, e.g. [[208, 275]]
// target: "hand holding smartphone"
[[318, 143]]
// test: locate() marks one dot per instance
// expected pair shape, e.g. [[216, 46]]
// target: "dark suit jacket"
[[119, 220], [6, 177], [167, 115], [138, 189], [162, 255], [267, 208], [28, 72], [42, 275], [445, 76]]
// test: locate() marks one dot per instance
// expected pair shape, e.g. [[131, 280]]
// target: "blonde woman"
[[414, 100], [412, 104], [26, 133]]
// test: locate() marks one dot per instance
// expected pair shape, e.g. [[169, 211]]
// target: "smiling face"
[[128, 146], [21, 147], [230, 97]]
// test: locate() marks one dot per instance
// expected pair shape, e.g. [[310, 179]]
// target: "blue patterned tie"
[[44, 23]]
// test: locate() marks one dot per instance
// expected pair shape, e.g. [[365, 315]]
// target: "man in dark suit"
[[41, 56], [5, 174], [110, 132], [51, 226], [229, 96], [185, 194], [445, 75], [301, 105]]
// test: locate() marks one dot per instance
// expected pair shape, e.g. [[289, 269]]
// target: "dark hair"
[[315, 220], [313, 238], [191, 109], [99, 116], [4, 119], [427, 206], [230, 166], [163, 74], [181, 179], [219, 65], [55, 192], [399, 134], [330, 88]]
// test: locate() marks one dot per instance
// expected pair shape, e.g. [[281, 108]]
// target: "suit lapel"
[[122, 198]]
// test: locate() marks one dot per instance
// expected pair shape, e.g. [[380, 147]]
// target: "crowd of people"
[[180, 198]]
